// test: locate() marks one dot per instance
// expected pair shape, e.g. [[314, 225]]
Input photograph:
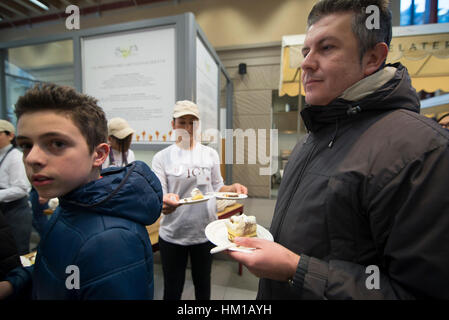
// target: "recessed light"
[[39, 4]]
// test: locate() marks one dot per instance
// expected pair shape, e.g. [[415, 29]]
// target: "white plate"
[[228, 195], [190, 201], [217, 233], [28, 259], [25, 261]]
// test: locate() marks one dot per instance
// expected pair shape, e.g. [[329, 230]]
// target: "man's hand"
[[6, 289], [270, 260], [236, 187], [170, 203]]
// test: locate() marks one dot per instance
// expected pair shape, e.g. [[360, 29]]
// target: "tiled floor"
[[227, 284]]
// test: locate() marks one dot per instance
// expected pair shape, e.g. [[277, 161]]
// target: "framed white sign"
[[132, 74], [207, 91]]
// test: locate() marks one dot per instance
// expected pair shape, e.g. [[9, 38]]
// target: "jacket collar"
[[378, 92], [369, 85]]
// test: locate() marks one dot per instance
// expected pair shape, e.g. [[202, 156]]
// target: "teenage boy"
[[363, 207], [95, 245]]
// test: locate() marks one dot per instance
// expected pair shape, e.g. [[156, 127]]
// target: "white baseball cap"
[[185, 107], [7, 126], [119, 128]]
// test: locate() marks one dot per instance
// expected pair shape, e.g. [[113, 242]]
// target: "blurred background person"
[[443, 120], [120, 135], [14, 188]]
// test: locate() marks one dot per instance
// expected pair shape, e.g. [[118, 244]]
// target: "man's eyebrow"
[[331, 38]]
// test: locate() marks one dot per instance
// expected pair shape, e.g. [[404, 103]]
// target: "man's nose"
[[309, 63], [36, 156]]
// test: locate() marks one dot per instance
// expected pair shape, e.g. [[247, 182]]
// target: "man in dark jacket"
[[363, 210]]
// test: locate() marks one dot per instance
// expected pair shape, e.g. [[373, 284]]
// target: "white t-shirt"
[[117, 155], [14, 183], [180, 171]]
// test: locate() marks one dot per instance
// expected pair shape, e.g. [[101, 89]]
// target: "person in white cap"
[[120, 135], [14, 188], [182, 167]]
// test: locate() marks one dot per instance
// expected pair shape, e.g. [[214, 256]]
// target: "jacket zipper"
[[309, 156]]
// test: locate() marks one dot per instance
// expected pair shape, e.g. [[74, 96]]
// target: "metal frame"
[[186, 32]]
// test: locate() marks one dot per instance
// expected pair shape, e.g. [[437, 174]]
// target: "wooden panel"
[[252, 122], [252, 110], [250, 175], [247, 54], [257, 102], [259, 191], [223, 159], [257, 77]]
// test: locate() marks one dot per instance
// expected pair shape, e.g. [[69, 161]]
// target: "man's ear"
[[374, 58], [101, 153]]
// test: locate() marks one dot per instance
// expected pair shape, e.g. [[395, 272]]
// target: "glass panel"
[[413, 12], [27, 65], [443, 11], [15, 87], [405, 12], [420, 8], [285, 120]]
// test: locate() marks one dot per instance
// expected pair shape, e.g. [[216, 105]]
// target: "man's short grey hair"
[[367, 38]]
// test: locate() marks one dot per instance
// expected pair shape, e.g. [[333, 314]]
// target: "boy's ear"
[[101, 153]]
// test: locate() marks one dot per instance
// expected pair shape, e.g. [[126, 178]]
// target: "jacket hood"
[[132, 192], [397, 93]]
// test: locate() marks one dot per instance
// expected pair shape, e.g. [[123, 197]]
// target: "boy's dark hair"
[[82, 109], [367, 38]]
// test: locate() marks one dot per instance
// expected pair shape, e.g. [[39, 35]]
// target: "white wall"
[[145, 156]]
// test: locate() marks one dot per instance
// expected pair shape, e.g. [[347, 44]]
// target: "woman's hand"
[[170, 203], [236, 187], [269, 260]]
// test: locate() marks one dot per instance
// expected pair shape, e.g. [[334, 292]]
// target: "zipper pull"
[[353, 110]]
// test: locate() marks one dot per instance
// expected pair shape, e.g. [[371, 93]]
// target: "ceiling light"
[[39, 4]]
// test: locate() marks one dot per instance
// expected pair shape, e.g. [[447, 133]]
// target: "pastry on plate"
[[196, 194], [231, 194], [241, 226]]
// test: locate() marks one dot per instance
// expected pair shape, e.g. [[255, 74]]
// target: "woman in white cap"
[[120, 135], [14, 188], [181, 167]]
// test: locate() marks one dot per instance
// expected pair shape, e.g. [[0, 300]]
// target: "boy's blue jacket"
[[99, 229]]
